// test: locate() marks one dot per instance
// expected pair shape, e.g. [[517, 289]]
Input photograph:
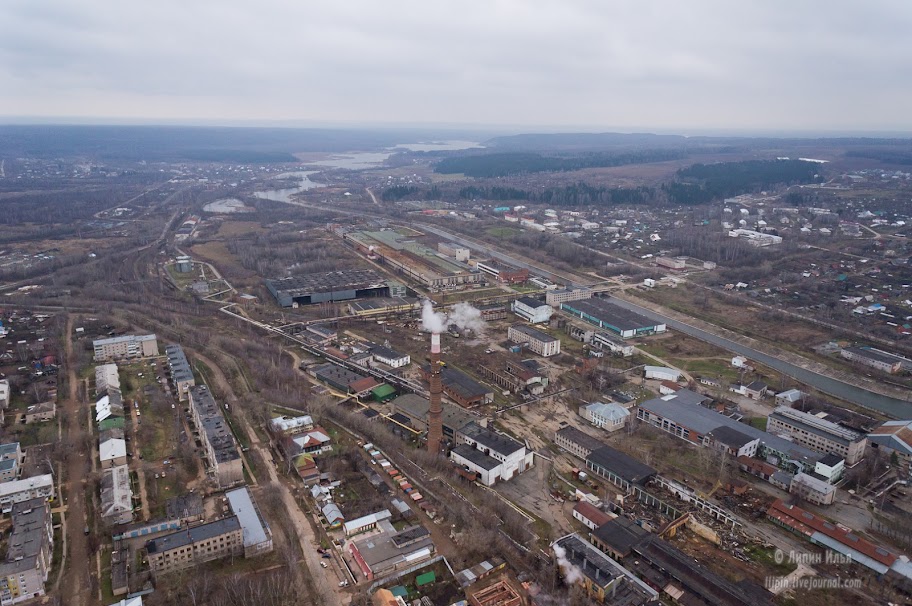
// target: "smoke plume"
[[463, 315], [431, 320], [466, 317], [572, 574]]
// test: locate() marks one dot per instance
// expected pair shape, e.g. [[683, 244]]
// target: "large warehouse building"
[[620, 321], [327, 287]]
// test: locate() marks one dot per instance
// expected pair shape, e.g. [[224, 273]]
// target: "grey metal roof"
[[874, 354], [348, 279], [534, 334], [386, 352], [476, 457], [685, 413], [816, 425], [580, 438], [603, 572], [460, 382], [416, 407], [242, 505], [731, 436], [530, 302], [194, 534], [621, 534], [620, 464], [610, 313], [497, 442]]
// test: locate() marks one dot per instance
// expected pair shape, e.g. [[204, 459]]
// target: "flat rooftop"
[[254, 527], [579, 437], [417, 407], [610, 313], [346, 279], [534, 334], [816, 425], [620, 464], [194, 534], [497, 442], [476, 457], [601, 570], [875, 354]]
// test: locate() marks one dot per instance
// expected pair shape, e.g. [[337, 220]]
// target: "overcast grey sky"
[[683, 65]]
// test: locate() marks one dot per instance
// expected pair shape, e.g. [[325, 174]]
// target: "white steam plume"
[[463, 315], [572, 573], [466, 317], [431, 320]]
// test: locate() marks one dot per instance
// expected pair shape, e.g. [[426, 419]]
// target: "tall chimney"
[[435, 425]]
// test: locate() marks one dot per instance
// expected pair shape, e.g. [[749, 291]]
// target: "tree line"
[[517, 163]]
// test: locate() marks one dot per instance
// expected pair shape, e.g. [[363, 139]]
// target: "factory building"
[[532, 310], [327, 287], [682, 415], [565, 295], [875, 358], [817, 434], [537, 341], [622, 322], [494, 456]]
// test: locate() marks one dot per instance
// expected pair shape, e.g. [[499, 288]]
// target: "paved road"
[[894, 407]]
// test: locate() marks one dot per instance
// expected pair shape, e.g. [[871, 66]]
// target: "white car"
[[323, 564]]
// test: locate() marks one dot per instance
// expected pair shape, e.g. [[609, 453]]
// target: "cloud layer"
[[702, 64]]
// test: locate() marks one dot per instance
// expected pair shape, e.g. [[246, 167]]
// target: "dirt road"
[[76, 582], [327, 588]]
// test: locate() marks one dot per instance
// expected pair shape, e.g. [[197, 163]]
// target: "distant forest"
[[518, 163], [697, 184], [702, 183]]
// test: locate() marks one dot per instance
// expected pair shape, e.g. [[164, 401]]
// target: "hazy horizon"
[[427, 129], [705, 66]]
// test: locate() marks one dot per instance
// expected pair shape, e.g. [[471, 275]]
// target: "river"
[[284, 195]]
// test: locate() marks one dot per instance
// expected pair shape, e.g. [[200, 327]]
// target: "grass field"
[[502, 232], [231, 229]]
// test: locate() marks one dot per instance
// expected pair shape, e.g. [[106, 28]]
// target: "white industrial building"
[[391, 358], [755, 238], [494, 456], [662, 373], [532, 310], [538, 342]]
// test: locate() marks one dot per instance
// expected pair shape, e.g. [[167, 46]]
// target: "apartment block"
[[28, 559], [195, 545], [11, 458], [222, 454], [125, 347]]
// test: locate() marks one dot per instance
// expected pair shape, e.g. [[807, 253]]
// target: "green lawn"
[[502, 232]]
